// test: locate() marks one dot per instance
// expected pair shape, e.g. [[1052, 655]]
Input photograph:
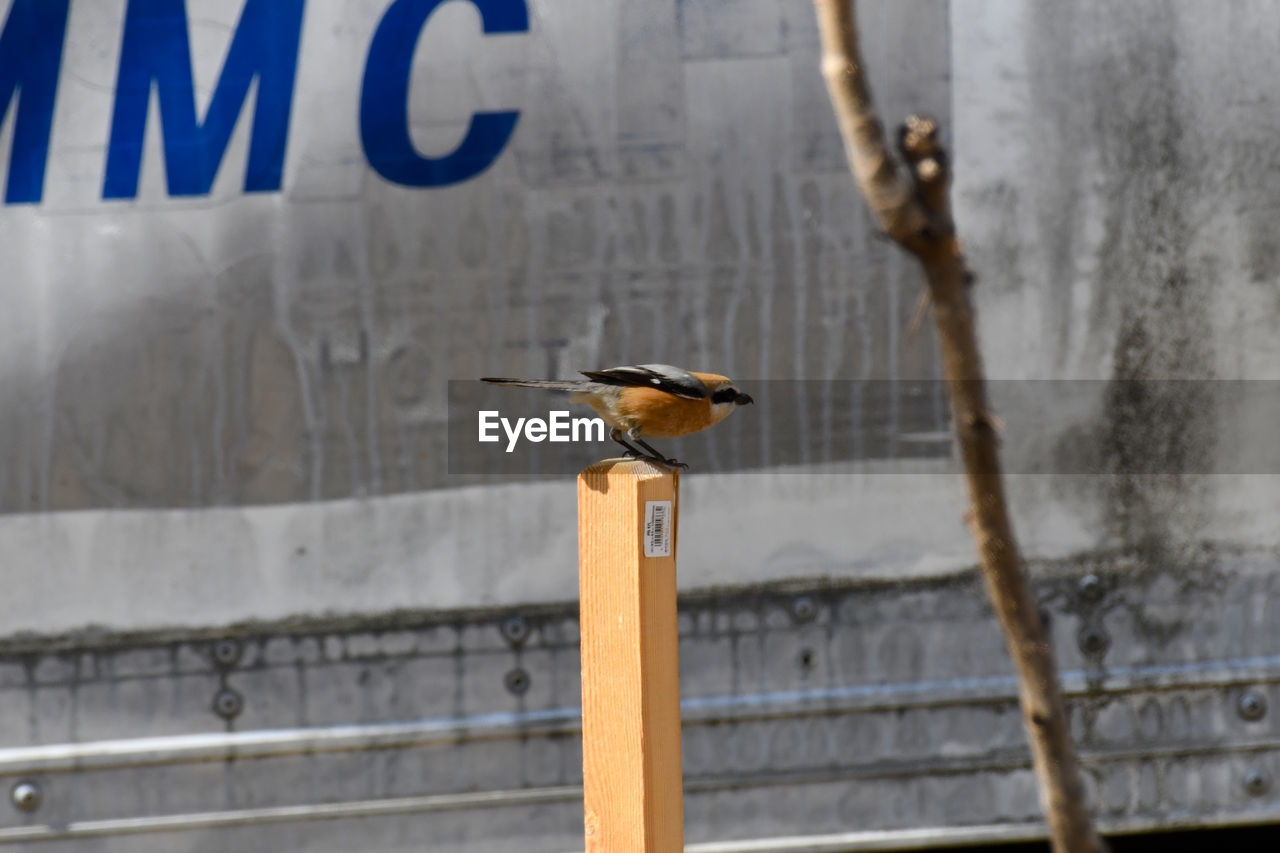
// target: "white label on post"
[[657, 528]]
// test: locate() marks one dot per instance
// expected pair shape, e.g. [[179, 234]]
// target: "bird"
[[647, 400]]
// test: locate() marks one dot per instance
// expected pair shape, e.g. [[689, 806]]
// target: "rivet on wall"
[[1257, 782], [517, 681], [515, 630], [226, 653], [1252, 706], [228, 703], [804, 608], [26, 796]]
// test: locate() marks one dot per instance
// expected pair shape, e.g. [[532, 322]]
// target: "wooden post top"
[[643, 468]]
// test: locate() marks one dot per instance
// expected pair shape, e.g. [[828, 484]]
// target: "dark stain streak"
[[1122, 130]]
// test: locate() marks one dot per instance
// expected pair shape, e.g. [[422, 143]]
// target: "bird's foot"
[[661, 460]]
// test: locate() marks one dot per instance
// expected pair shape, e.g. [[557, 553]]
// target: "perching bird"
[[654, 400]]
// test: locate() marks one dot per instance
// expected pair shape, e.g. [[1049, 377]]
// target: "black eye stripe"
[[724, 395]]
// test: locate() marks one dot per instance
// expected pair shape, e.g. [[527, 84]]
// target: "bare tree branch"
[[887, 195], [918, 217]]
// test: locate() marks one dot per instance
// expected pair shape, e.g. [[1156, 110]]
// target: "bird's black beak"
[[743, 399]]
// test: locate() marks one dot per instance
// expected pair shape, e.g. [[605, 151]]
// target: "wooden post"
[[632, 790]]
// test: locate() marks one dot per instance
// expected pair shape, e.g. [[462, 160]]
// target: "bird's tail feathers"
[[544, 384]]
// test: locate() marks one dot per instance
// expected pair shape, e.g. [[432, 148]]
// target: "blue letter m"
[[30, 53], [155, 49]]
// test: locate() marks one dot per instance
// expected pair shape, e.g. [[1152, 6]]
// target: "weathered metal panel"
[[674, 189], [277, 362], [813, 711]]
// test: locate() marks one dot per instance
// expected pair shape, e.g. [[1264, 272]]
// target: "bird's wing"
[[664, 377]]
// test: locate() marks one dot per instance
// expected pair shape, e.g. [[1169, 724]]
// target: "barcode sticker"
[[657, 528]]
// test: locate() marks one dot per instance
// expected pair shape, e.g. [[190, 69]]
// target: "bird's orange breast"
[[657, 414]]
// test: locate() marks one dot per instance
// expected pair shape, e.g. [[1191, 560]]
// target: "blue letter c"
[[384, 99]]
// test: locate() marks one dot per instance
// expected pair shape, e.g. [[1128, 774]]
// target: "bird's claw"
[[661, 460]]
